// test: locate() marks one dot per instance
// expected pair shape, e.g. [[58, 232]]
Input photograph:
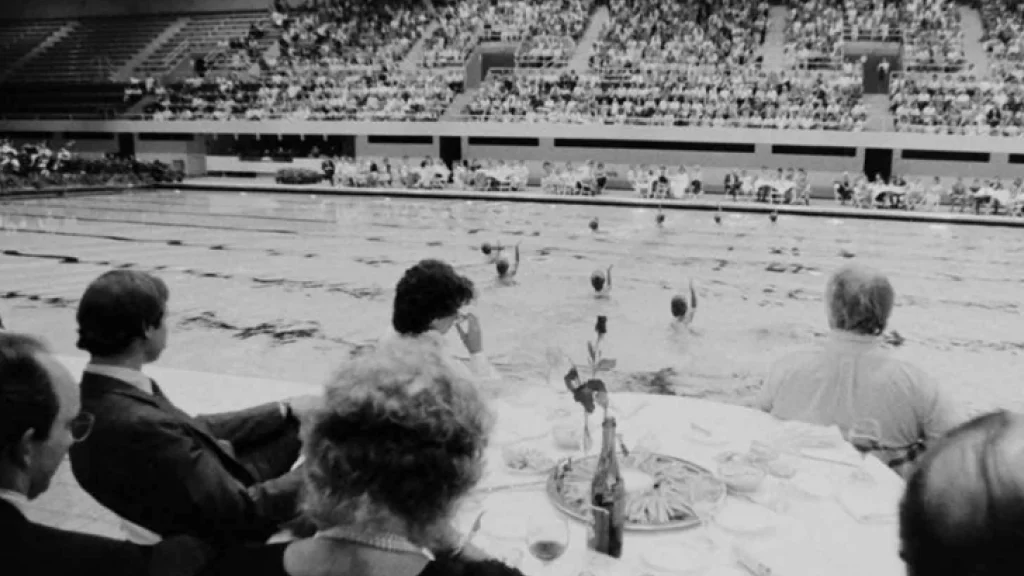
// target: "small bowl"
[[741, 477], [568, 437]]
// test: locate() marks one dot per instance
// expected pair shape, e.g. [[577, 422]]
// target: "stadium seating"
[[94, 50], [203, 34], [18, 39]]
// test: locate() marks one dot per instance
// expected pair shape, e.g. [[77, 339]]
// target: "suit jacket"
[[162, 469], [30, 549]]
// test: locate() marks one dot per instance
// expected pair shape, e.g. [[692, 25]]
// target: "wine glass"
[[705, 498], [866, 437], [547, 536]]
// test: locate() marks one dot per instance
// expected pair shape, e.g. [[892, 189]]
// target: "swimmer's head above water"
[[683, 307], [601, 280], [502, 266], [486, 248]]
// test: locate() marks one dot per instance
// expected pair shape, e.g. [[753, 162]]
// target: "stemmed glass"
[[866, 437], [705, 495], [547, 536]]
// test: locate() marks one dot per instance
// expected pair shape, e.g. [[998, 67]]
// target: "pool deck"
[[823, 208], [65, 505]]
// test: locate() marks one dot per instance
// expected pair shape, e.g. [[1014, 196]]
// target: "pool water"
[[288, 286]]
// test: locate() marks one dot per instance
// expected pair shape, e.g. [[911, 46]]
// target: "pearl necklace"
[[381, 541]]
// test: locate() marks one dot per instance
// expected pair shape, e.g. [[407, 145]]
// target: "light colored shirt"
[[852, 378], [128, 375], [479, 368], [17, 499]]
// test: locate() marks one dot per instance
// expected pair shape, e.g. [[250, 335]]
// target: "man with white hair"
[[852, 378]]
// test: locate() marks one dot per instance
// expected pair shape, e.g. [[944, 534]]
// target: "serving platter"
[[661, 503]]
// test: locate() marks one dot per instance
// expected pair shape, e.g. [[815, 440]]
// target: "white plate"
[[747, 519]]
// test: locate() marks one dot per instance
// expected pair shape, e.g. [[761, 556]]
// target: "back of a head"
[[428, 291], [963, 509], [27, 398], [860, 300], [401, 436], [117, 308]]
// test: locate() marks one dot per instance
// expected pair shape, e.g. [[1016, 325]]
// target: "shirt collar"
[[847, 337], [17, 499], [127, 375]]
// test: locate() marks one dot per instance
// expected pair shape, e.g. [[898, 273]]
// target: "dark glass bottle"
[[608, 497]]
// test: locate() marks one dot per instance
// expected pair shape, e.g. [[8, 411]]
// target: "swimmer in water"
[[492, 252], [505, 275], [602, 282], [683, 309]]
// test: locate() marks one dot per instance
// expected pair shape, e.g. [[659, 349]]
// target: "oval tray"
[[690, 522]]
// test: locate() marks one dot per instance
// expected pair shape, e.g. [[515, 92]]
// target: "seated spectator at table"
[[851, 377], [399, 443], [224, 477], [964, 503], [40, 418], [429, 299], [843, 189]]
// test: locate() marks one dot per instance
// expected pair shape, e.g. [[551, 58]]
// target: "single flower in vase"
[[593, 392]]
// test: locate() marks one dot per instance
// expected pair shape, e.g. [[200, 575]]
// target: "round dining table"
[[837, 516]]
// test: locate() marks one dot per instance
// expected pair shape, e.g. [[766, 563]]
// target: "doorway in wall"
[[878, 161], [451, 150], [126, 145]]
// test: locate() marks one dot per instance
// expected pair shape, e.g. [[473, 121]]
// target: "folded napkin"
[[870, 506]]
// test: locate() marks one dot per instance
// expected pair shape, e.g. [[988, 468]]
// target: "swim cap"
[[593, 224], [679, 306], [597, 280], [486, 248], [502, 265]]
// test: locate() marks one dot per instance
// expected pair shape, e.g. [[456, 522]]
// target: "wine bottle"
[[608, 497]]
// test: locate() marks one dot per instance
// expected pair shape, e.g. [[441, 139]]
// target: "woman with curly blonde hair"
[[400, 441]]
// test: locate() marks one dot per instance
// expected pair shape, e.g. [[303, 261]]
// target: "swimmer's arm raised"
[[609, 279], [516, 268]]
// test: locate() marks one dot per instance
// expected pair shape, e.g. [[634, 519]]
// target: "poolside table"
[[810, 535]]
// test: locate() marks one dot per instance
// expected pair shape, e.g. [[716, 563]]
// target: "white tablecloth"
[[815, 535]]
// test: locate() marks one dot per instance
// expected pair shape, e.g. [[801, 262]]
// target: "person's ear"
[[20, 454]]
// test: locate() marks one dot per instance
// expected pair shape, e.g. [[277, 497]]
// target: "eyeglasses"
[[81, 426]]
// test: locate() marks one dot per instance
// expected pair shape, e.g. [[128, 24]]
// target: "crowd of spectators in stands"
[[934, 38], [341, 34], [814, 34], [691, 32], [1004, 23], [462, 25], [957, 104], [358, 95], [705, 96]]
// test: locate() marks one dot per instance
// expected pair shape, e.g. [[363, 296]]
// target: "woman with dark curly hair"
[[429, 300], [400, 441]]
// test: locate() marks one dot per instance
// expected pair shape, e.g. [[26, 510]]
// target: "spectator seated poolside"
[[705, 96], [948, 104], [693, 32], [852, 379], [491, 175]]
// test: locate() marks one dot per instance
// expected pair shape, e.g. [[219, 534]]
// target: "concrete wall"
[[365, 148], [26, 9], [191, 154]]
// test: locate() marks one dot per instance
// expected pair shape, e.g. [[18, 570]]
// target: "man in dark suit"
[[39, 420], [226, 477]]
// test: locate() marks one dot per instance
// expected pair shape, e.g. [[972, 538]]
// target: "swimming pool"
[[286, 286]]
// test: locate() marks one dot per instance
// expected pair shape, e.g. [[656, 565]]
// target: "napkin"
[[869, 506]]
